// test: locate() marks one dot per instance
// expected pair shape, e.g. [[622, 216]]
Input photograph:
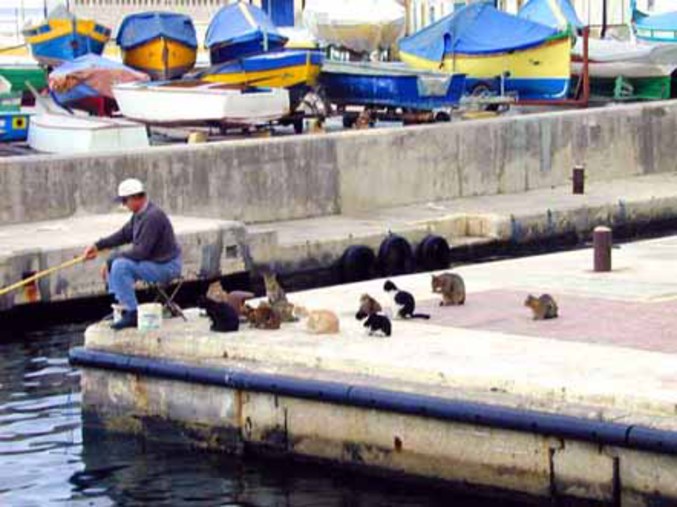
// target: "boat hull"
[[250, 45], [281, 69], [540, 72], [161, 58], [388, 85], [167, 103], [18, 75], [58, 40], [13, 126], [59, 133]]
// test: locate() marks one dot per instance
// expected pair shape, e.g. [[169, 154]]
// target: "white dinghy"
[[192, 102]]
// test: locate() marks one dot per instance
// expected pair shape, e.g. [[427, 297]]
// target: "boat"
[[656, 28], [89, 77], [55, 130], [62, 37], [193, 102], [617, 69], [390, 85], [160, 44], [356, 25], [296, 70], [239, 30], [13, 122], [485, 43]]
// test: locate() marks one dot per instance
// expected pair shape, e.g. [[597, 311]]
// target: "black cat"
[[223, 316], [375, 322], [405, 304]]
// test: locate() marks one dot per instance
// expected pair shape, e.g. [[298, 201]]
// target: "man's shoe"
[[129, 319]]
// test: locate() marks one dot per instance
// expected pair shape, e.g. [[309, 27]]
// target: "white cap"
[[129, 187]]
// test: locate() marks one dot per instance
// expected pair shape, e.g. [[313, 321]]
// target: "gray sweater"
[[151, 234]]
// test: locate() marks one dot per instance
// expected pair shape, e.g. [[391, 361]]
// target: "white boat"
[[360, 26], [189, 102], [68, 134]]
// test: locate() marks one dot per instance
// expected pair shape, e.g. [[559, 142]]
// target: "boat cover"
[[98, 73], [556, 13], [355, 24], [137, 29], [476, 29], [667, 21], [240, 22]]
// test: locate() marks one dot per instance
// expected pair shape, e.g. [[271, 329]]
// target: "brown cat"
[[363, 120], [369, 305], [236, 299], [452, 288], [322, 322], [277, 298], [263, 317], [543, 307]]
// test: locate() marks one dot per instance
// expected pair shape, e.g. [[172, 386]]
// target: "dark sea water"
[[46, 458]]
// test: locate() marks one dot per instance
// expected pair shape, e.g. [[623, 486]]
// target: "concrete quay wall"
[[264, 180]]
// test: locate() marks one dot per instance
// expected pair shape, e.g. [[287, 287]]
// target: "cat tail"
[[420, 316]]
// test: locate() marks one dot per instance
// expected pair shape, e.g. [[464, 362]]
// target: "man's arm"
[[121, 237], [149, 233]]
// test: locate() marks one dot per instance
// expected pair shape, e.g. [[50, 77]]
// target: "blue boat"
[[657, 28], [13, 123], [555, 13], [89, 77], [63, 37], [390, 85], [239, 30]]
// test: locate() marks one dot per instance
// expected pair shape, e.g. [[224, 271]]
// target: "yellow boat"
[[484, 43], [160, 44], [279, 69], [63, 37]]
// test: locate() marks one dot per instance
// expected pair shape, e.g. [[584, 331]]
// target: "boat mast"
[[604, 18]]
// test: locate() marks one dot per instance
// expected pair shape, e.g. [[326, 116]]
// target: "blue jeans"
[[125, 272]]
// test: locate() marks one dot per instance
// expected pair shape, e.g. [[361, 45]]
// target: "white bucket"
[[149, 317], [117, 312]]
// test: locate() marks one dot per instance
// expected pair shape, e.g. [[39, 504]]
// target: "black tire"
[[298, 126], [433, 253], [349, 120], [356, 264], [442, 116], [395, 256]]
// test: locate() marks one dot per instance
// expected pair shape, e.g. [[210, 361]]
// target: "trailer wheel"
[[298, 126], [442, 116], [349, 120]]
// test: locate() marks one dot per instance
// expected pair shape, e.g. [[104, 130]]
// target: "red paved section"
[[649, 326]]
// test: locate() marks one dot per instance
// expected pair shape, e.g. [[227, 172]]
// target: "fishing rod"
[[42, 274]]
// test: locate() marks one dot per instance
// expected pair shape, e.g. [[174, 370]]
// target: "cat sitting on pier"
[[236, 299], [263, 317], [277, 298], [452, 288], [543, 307], [375, 323], [318, 321], [404, 302], [224, 317], [369, 305]]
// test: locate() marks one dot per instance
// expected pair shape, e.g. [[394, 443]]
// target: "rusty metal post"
[[602, 242], [579, 179]]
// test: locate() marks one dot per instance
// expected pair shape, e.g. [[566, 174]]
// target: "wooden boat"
[[191, 102], [13, 123], [616, 69], [484, 43], [392, 85], [240, 30], [17, 74], [361, 27], [63, 37], [296, 70], [656, 28], [89, 77], [160, 44]]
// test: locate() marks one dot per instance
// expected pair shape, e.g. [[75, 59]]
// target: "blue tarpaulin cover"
[[137, 29], [556, 13], [476, 29], [239, 22], [667, 21]]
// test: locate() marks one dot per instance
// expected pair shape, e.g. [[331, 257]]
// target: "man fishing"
[[154, 256]]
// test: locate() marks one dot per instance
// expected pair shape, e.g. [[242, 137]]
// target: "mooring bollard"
[[579, 179], [602, 242]]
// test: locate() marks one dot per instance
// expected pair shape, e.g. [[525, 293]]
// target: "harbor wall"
[[262, 180]]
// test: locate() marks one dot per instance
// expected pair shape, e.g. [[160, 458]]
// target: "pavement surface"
[[610, 355]]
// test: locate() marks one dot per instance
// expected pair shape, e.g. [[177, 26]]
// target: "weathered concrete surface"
[[300, 177], [472, 352], [515, 218], [210, 248]]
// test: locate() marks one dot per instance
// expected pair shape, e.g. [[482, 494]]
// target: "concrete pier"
[[581, 406]]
